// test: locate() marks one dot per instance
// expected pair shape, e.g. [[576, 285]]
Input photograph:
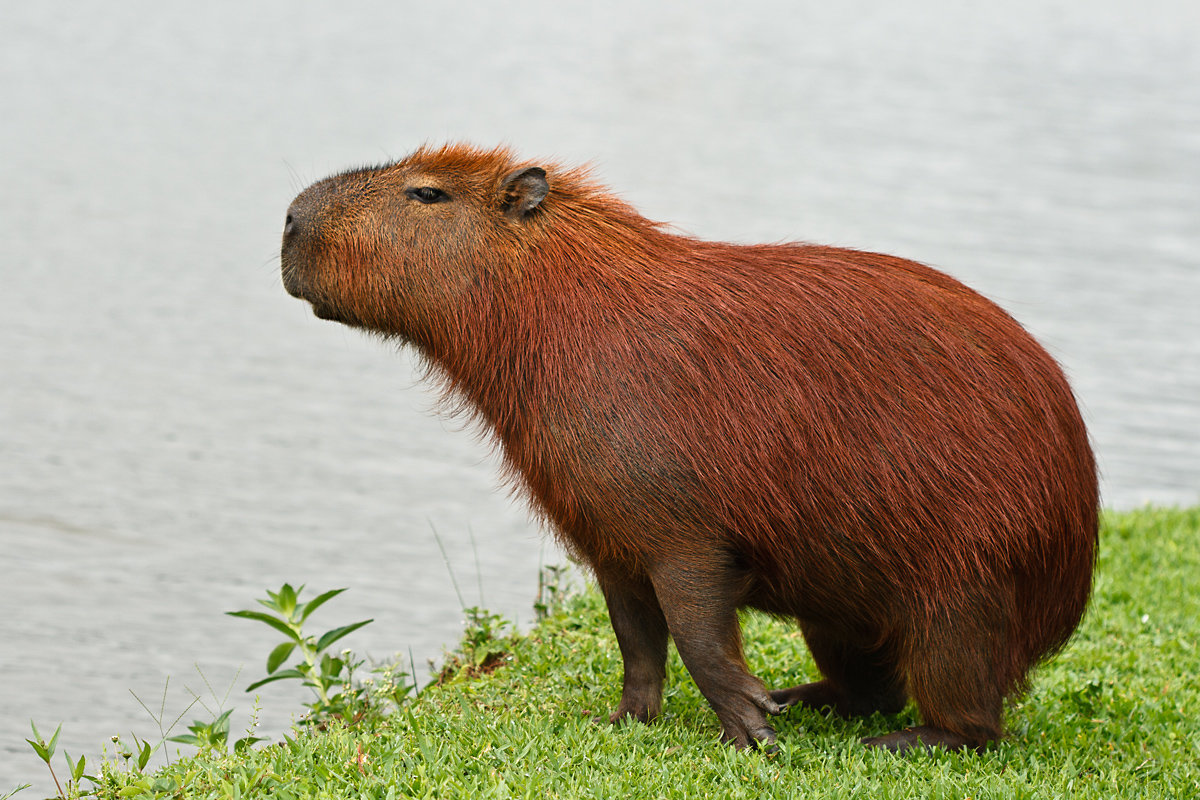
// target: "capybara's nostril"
[[289, 225]]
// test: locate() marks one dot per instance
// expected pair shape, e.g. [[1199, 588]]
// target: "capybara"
[[849, 439]]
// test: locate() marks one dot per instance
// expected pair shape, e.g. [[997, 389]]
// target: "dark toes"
[[762, 738], [822, 695], [816, 695], [637, 716]]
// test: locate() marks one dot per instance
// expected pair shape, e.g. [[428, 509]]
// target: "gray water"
[[177, 434]]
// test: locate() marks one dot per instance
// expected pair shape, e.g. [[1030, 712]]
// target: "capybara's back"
[[848, 438]]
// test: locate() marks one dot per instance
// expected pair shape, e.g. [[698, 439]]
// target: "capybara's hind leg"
[[641, 632], [858, 680], [954, 679], [923, 737], [699, 602]]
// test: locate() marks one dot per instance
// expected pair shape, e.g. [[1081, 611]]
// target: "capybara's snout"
[[305, 257], [293, 263]]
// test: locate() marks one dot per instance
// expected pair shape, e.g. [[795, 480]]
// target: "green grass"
[[1117, 714]]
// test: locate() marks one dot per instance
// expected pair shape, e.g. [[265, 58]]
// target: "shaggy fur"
[[846, 438]]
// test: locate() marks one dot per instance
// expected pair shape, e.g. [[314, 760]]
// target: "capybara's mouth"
[[298, 287], [322, 311], [294, 288], [292, 283]]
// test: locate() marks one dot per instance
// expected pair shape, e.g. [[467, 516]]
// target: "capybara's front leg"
[[641, 632], [699, 603]]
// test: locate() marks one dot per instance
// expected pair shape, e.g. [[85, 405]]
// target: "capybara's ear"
[[523, 190]]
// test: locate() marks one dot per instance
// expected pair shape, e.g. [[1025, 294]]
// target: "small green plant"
[[486, 641], [214, 734], [483, 630], [141, 749], [162, 710], [211, 734], [331, 677], [388, 685], [136, 781], [45, 751]]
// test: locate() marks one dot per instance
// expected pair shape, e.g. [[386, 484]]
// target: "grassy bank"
[[1117, 714]]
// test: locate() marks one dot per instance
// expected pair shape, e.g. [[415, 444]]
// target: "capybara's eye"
[[427, 194]]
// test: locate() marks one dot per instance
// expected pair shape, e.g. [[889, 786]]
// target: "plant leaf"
[[331, 666], [40, 749], [279, 655], [185, 738], [274, 622], [244, 744], [271, 602], [221, 723], [318, 601], [165, 785], [76, 769], [329, 637], [54, 740], [287, 673], [287, 600]]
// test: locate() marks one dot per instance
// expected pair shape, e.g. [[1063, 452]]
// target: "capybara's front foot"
[[924, 737], [744, 722], [761, 737]]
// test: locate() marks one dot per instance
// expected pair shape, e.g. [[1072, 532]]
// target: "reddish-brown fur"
[[847, 438]]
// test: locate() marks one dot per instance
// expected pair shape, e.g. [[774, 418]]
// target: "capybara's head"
[[392, 248]]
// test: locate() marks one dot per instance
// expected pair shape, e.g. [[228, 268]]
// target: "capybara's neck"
[[533, 325]]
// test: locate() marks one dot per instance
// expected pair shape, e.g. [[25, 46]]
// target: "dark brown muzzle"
[[296, 250]]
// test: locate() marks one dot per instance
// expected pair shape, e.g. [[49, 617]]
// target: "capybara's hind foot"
[[824, 695], [637, 707], [924, 737], [817, 695]]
